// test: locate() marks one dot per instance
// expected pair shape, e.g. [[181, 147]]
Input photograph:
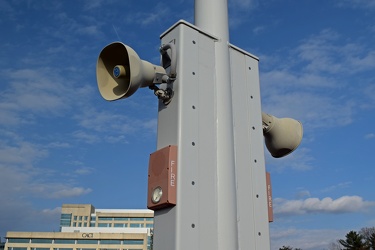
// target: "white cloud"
[[299, 160], [93, 4], [243, 3], [301, 80], [116, 139], [8, 117], [344, 204], [342, 185], [51, 190], [33, 91], [239, 11], [370, 91], [365, 4], [303, 193], [156, 14], [70, 192], [369, 136], [5, 7], [21, 177], [23, 152], [54, 211], [306, 239], [319, 66], [313, 109], [57, 144], [327, 52], [84, 170], [258, 29], [92, 30], [86, 137], [48, 219], [105, 121], [116, 126]]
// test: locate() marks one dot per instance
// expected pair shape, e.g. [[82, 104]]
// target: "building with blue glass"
[[82, 227]]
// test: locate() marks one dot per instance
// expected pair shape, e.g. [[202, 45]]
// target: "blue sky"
[[60, 142]]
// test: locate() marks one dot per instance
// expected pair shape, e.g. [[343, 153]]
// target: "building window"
[[133, 242], [149, 242], [105, 218], [63, 249], [149, 219], [64, 241], [85, 224], [74, 224], [64, 223], [121, 218], [92, 224], [42, 241], [149, 225], [18, 240], [80, 217], [65, 220], [120, 225], [17, 248], [137, 219], [66, 216], [111, 242], [104, 224], [40, 248], [86, 217], [87, 241], [75, 217], [135, 225]]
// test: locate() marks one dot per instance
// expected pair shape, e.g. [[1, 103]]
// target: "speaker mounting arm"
[[163, 94], [169, 61]]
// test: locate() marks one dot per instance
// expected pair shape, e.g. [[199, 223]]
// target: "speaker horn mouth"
[[120, 72], [114, 61]]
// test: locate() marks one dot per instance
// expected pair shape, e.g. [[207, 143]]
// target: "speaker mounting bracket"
[[163, 94], [169, 60]]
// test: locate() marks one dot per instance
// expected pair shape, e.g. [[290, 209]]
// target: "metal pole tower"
[[212, 16], [207, 180], [214, 120]]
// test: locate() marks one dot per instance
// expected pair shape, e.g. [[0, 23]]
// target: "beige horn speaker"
[[120, 72], [282, 135]]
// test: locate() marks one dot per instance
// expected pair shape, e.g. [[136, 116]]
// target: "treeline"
[[362, 240]]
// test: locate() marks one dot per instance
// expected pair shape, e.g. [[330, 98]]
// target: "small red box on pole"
[[269, 197], [162, 178]]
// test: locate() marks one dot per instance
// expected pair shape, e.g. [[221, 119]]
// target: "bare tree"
[[286, 248], [334, 246], [289, 248], [368, 234]]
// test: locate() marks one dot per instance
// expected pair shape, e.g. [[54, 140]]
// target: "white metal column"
[[221, 189], [252, 206], [212, 16], [189, 122]]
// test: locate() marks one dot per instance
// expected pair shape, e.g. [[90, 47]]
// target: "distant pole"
[[212, 17]]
